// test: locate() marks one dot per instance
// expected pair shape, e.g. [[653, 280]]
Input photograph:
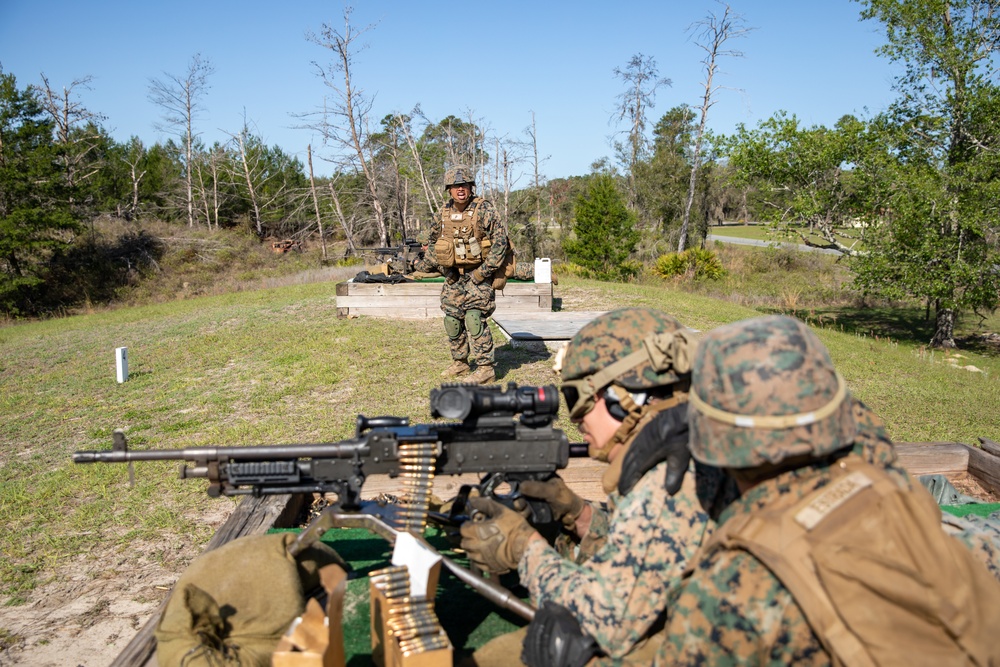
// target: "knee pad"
[[474, 322], [452, 326]]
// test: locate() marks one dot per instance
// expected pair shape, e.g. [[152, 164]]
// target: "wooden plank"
[[930, 458], [990, 446], [583, 475], [252, 516], [985, 467], [422, 300], [561, 325], [432, 289]]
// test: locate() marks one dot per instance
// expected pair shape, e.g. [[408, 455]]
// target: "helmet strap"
[[631, 414], [635, 422]]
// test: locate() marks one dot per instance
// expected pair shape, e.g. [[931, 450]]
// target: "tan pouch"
[[444, 252]]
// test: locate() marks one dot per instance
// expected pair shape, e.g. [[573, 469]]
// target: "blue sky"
[[498, 61]]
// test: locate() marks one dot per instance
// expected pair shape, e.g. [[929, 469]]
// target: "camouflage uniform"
[[461, 294], [619, 593], [624, 570], [732, 608], [524, 271]]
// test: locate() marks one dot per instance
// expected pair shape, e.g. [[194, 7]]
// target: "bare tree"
[[642, 80], [538, 181], [315, 199], [135, 152], [346, 224], [179, 98], [346, 124], [68, 114], [714, 32], [431, 194]]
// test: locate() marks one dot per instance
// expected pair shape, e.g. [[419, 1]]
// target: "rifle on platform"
[[506, 435], [485, 438], [396, 259]]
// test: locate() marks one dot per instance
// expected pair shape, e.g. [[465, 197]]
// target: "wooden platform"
[[552, 330], [421, 300]]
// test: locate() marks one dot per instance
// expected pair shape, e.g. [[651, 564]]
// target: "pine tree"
[[605, 231], [34, 204]]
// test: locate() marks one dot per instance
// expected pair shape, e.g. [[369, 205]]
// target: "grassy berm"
[[276, 365]]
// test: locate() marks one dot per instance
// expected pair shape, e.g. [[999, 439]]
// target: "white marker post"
[[121, 363]]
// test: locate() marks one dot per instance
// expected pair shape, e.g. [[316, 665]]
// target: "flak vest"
[[463, 245], [874, 573]]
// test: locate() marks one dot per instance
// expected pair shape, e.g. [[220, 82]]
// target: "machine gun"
[[484, 437], [506, 435], [396, 259]]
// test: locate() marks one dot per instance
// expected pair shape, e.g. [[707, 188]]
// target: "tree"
[[662, 178], [77, 130], [934, 235], [715, 32], [604, 228], [641, 79], [345, 124], [35, 217], [795, 175], [180, 97]]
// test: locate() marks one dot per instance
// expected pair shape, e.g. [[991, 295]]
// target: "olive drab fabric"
[[877, 578], [233, 604]]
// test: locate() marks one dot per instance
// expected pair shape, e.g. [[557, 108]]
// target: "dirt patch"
[[970, 486], [93, 606]]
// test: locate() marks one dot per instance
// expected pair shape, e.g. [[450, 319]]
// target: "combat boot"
[[483, 375], [458, 368]]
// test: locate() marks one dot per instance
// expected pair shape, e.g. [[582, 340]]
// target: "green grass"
[[278, 366]]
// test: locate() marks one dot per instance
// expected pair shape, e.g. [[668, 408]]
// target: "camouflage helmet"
[[764, 390], [636, 348], [457, 175]]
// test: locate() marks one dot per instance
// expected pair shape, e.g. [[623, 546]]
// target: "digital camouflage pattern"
[[646, 539], [614, 335], [457, 175], [765, 366], [732, 609], [524, 271], [461, 293]]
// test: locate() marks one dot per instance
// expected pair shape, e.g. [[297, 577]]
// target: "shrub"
[[699, 263]]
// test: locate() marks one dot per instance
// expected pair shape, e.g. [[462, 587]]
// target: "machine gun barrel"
[[333, 450]]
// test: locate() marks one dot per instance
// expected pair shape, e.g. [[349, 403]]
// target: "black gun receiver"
[[504, 434]]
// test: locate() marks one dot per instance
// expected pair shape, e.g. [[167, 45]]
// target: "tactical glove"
[[478, 276], [555, 639], [451, 275], [566, 505], [665, 438], [496, 539]]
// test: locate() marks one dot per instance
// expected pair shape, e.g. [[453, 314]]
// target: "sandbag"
[[233, 604]]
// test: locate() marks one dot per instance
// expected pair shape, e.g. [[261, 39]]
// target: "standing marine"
[[624, 378], [470, 248], [831, 555]]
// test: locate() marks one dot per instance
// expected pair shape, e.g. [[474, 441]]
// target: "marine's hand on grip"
[[496, 537], [566, 505]]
